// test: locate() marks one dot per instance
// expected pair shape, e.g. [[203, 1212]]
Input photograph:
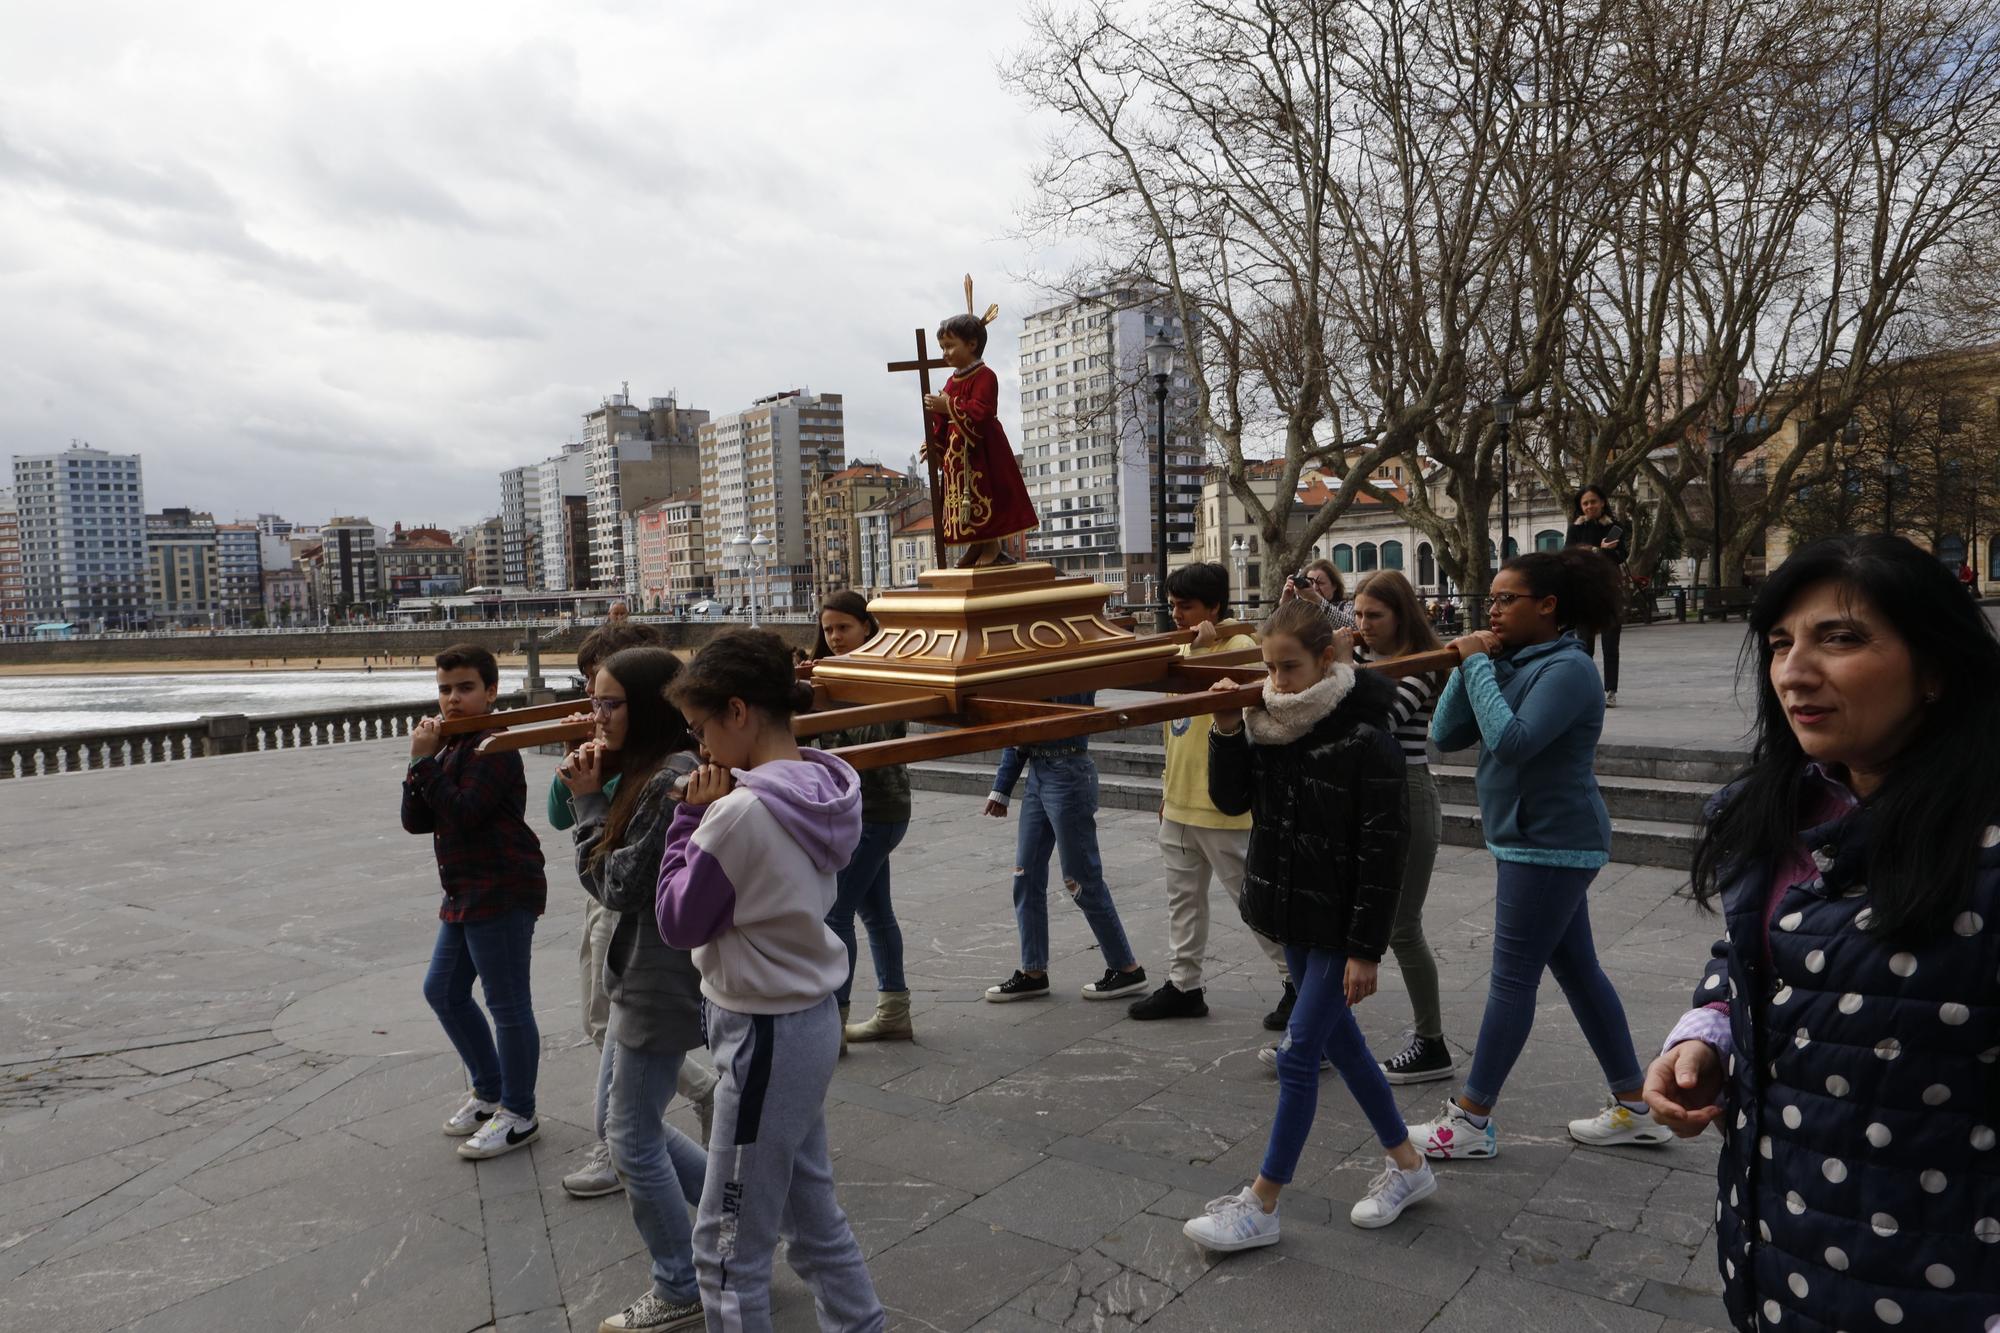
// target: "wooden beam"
[[865, 715], [1003, 710], [513, 717], [527, 738]]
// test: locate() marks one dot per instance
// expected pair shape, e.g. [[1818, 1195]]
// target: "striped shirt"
[[1410, 715]]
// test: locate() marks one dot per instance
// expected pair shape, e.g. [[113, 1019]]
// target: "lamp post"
[[1160, 355], [1718, 449], [739, 551], [1239, 562], [1503, 417], [760, 556]]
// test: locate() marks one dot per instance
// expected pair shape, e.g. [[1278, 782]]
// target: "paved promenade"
[[223, 1090]]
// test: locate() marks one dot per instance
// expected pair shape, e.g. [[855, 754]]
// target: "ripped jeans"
[[1059, 814]]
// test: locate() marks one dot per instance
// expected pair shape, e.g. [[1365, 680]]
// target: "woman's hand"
[[1343, 647], [1228, 721], [1684, 1088], [1479, 641], [582, 770], [708, 784], [1360, 980], [1610, 543]]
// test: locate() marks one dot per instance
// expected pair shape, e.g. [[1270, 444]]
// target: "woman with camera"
[[1320, 582]]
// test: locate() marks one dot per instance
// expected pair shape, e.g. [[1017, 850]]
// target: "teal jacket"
[[1536, 714]]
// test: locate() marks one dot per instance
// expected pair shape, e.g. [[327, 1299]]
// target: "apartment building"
[[82, 520], [757, 469]]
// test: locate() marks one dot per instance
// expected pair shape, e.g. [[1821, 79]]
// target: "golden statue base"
[[1007, 631]]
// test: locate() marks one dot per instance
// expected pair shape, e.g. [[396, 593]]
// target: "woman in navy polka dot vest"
[[1846, 1038]]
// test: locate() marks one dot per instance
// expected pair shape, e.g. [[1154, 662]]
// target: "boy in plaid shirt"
[[490, 864]]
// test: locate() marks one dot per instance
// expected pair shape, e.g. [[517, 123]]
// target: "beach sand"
[[558, 666]]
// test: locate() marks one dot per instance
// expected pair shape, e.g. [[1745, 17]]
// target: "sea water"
[[58, 705]]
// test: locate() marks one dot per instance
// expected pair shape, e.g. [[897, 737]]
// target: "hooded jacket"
[[1323, 780], [746, 883], [1536, 714]]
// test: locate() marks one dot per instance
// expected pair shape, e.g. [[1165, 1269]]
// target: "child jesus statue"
[[981, 500]]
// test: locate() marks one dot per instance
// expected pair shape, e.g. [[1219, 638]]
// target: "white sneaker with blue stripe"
[[1234, 1222], [1391, 1192]]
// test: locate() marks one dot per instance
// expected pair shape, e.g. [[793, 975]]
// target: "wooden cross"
[[924, 365]]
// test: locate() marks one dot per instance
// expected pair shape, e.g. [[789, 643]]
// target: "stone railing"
[[229, 733]]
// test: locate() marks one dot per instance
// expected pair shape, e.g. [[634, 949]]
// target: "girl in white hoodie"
[[746, 883]]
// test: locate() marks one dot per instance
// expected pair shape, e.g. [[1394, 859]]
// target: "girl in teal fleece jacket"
[[1529, 696]]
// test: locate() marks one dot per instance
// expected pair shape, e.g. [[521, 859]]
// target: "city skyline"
[[347, 257]]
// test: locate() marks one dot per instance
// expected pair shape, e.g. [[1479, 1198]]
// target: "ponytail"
[[1587, 587]]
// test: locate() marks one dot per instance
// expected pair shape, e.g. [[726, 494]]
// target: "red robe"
[[979, 484]]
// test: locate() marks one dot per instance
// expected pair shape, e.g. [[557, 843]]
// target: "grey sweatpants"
[[769, 1175]]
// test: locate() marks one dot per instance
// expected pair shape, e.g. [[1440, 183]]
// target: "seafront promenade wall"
[[298, 646]]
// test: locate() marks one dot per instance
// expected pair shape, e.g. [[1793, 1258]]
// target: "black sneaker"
[[1170, 1001], [1278, 1018], [1020, 986], [1424, 1060], [1114, 984]]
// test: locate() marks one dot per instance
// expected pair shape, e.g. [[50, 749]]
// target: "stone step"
[[1650, 826]]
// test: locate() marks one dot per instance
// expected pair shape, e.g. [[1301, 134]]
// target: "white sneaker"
[[502, 1134], [470, 1117], [1391, 1192], [1268, 1057], [1618, 1123], [596, 1177], [1234, 1222], [1453, 1135]]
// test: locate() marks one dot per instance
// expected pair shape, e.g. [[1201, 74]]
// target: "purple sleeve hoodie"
[[746, 883]]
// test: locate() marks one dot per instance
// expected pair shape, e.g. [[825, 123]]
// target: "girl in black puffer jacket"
[[1323, 779], [1846, 1038]]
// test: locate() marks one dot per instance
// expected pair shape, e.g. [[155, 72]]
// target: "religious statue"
[[978, 499]]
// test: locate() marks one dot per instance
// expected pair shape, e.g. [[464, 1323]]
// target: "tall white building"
[[520, 524], [83, 537], [1089, 441], [566, 474], [756, 467], [638, 456]]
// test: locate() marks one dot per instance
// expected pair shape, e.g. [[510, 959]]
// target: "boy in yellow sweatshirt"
[[1197, 841]]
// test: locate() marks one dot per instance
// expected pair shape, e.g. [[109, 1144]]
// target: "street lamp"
[[739, 549], [1239, 561], [1718, 448], [1503, 417], [760, 552], [1160, 355]]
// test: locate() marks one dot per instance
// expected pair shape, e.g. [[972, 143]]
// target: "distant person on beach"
[[490, 864]]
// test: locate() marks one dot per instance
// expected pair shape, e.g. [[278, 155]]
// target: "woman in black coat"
[[1592, 526], [1846, 1037], [1322, 777]]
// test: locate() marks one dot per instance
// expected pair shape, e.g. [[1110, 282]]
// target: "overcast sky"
[[359, 258]]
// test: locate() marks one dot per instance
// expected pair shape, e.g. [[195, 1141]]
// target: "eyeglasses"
[[1503, 600], [694, 728], [606, 705]]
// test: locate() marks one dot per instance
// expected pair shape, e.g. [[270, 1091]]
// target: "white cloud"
[[361, 258]]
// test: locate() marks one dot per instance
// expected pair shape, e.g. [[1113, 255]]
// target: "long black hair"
[[1940, 793], [1590, 488], [851, 604], [654, 729], [1585, 585]]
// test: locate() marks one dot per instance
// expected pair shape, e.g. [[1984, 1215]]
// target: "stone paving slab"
[[221, 1097]]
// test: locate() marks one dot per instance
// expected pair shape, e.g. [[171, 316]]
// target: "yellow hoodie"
[[1187, 746]]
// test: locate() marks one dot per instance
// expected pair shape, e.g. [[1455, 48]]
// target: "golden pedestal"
[[1013, 631]]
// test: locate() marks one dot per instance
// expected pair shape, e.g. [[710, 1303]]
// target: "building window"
[[1548, 539], [1392, 555], [1343, 558], [1951, 550], [1364, 558]]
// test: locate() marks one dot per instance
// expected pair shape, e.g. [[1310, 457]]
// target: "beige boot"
[[843, 1029], [891, 1021]]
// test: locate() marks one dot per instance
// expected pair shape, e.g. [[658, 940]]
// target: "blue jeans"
[[1059, 814], [601, 1103], [1541, 919], [863, 886], [1322, 1024], [496, 951], [663, 1169]]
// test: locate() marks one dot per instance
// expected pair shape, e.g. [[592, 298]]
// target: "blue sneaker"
[[1453, 1135], [1234, 1222]]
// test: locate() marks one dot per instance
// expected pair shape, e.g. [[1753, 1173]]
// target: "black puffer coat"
[[1859, 1178], [1323, 781]]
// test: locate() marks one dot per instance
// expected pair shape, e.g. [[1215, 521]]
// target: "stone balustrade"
[[229, 733]]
